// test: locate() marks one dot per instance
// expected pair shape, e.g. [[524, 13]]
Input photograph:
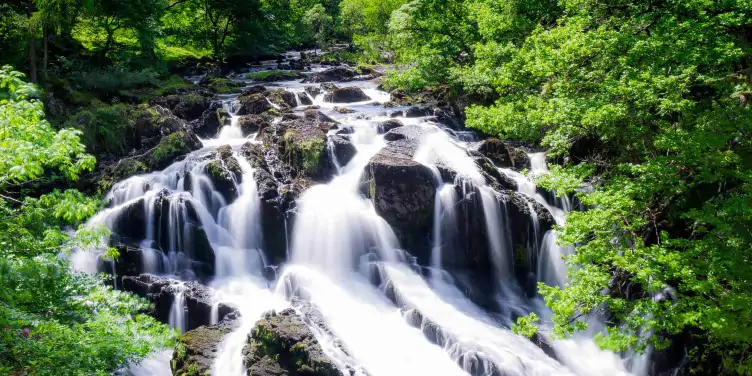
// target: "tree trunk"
[[32, 46], [46, 53]]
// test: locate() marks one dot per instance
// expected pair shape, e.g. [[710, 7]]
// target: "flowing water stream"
[[409, 322]]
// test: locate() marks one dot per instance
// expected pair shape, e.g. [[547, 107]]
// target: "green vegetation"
[[307, 150], [648, 103], [55, 321]]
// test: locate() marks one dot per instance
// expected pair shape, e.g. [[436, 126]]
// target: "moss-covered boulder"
[[253, 104], [188, 106], [305, 148], [172, 147], [225, 173], [221, 85], [212, 120], [504, 154], [282, 98], [197, 349], [250, 124], [282, 344]]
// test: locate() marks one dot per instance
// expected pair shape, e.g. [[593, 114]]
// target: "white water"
[[336, 237]]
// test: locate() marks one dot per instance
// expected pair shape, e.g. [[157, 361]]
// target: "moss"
[[223, 85], [169, 147], [308, 151]]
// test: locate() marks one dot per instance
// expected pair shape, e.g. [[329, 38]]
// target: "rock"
[[196, 350], [403, 192], [198, 299], [388, 125], [412, 132], [220, 85], [172, 147], [331, 75], [316, 115], [212, 121], [273, 76], [225, 174], [343, 110], [250, 124], [313, 91], [414, 112], [188, 106], [348, 94], [304, 99], [283, 98], [304, 145], [253, 104], [282, 344], [343, 149], [256, 89]]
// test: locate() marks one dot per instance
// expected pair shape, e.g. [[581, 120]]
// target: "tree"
[[55, 321], [319, 24]]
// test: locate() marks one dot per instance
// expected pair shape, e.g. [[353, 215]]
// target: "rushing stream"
[[410, 322]]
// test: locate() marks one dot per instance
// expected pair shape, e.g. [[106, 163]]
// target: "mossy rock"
[[305, 149], [173, 146], [122, 170], [281, 343], [221, 85], [274, 75], [197, 349]]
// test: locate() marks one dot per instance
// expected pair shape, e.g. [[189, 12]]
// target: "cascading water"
[[346, 261], [177, 311]]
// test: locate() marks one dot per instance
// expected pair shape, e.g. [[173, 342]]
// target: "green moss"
[[308, 151], [274, 75], [169, 147], [180, 352], [223, 85]]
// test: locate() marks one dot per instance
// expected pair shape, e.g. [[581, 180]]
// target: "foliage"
[[53, 320], [319, 24]]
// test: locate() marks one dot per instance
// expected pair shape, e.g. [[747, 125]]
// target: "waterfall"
[[384, 315]]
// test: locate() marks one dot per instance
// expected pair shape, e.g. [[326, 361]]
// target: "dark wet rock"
[[344, 150], [225, 174], [304, 145], [348, 94], [316, 115], [313, 91], [282, 98], [197, 350], [212, 121], [343, 110], [344, 131], [250, 124], [388, 125], [403, 193], [198, 299], [304, 99], [282, 344], [412, 132], [188, 106], [331, 75], [504, 154], [279, 75], [414, 112], [253, 104], [256, 89], [173, 147]]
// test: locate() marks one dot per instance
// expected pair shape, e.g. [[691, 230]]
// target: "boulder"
[[411, 132], [343, 149], [255, 89], [282, 344], [250, 124], [187, 106], [198, 300], [212, 121], [331, 75], [196, 350], [403, 193], [225, 174], [304, 99], [173, 147], [343, 110], [304, 145], [282, 98], [414, 112], [316, 115], [347, 94], [313, 91], [253, 104], [388, 125]]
